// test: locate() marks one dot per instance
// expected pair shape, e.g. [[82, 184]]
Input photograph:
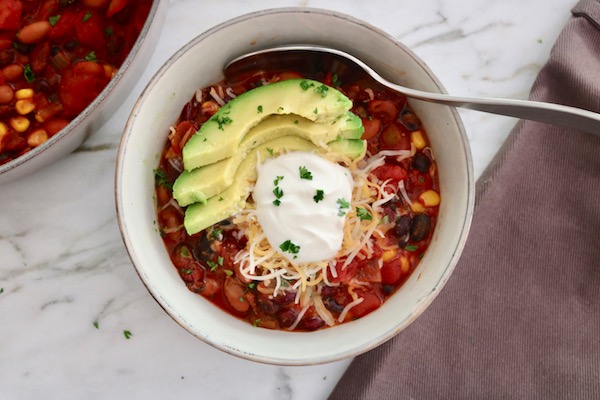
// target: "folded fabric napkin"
[[520, 316]]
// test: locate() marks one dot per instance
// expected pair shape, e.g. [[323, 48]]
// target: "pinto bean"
[[234, 293], [12, 72], [34, 32], [6, 94]]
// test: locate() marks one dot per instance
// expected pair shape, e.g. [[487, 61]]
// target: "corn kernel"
[[404, 265], [3, 129], [389, 254], [418, 139], [430, 198], [19, 124], [24, 106], [417, 207], [37, 137], [24, 94]]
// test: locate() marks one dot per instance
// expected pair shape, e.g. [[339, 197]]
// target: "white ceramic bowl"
[[100, 110], [199, 64]]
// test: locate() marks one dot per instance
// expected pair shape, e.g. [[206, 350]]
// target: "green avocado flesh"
[[221, 159], [202, 183], [219, 137]]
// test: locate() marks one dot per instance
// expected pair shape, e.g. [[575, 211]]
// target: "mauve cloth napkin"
[[520, 316]]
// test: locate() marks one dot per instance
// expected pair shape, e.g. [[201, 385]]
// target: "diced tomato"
[[371, 301], [391, 272], [39, 57], [49, 8], [372, 127], [346, 274], [65, 26], [395, 173], [183, 131], [393, 137], [80, 85], [91, 32], [10, 14]]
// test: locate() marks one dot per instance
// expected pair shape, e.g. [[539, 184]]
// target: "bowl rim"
[[82, 116], [423, 303]]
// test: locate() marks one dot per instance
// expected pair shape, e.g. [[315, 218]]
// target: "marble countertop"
[[68, 291]]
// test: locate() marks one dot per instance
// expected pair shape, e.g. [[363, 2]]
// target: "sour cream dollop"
[[301, 202]]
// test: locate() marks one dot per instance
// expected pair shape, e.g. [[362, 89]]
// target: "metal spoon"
[[312, 59]]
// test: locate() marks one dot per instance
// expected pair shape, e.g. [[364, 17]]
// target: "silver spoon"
[[313, 58]]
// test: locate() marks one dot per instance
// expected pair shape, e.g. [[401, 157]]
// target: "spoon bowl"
[[313, 58]]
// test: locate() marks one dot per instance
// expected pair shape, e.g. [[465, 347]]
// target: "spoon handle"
[[550, 113]]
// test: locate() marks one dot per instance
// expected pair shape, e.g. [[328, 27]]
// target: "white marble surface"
[[63, 265]]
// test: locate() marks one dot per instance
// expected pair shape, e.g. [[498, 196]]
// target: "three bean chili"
[[56, 56]]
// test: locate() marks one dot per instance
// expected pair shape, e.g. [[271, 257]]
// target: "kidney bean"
[[286, 317], [267, 306], [312, 323]]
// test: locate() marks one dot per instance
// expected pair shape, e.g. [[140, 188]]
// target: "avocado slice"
[[201, 183], [199, 216], [219, 137]]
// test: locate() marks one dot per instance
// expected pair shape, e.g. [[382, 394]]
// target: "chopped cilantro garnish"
[[411, 247], [251, 285], [228, 272], [305, 173], [127, 334], [322, 90], [220, 260], [28, 74], [96, 325], [87, 16], [296, 122], [316, 110], [91, 56], [259, 109], [278, 192], [212, 265], [335, 81], [319, 196], [290, 247], [276, 202], [54, 19], [216, 233], [256, 322], [305, 85], [108, 31], [363, 214], [241, 299], [343, 204], [221, 198], [160, 178], [186, 271], [277, 180], [280, 109], [270, 150]]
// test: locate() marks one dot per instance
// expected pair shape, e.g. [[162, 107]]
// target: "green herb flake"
[[280, 110], [305, 173], [221, 198], [108, 31], [256, 322], [127, 334], [28, 74], [322, 90], [216, 233], [212, 265], [363, 214], [87, 16], [316, 110], [91, 56], [335, 81], [251, 285], [259, 109], [53, 19], [290, 247], [296, 122], [277, 180], [228, 272], [344, 205], [278, 192], [96, 325], [270, 150], [276, 202], [305, 85], [160, 178], [411, 247], [186, 271], [241, 299], [319, 196], [222, 121], [220, 260]]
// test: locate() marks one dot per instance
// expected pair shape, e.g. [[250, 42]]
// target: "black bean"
[[388, 289], [71, 45], [421, 225], [421, 162], [332, 305], [402, 227]]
